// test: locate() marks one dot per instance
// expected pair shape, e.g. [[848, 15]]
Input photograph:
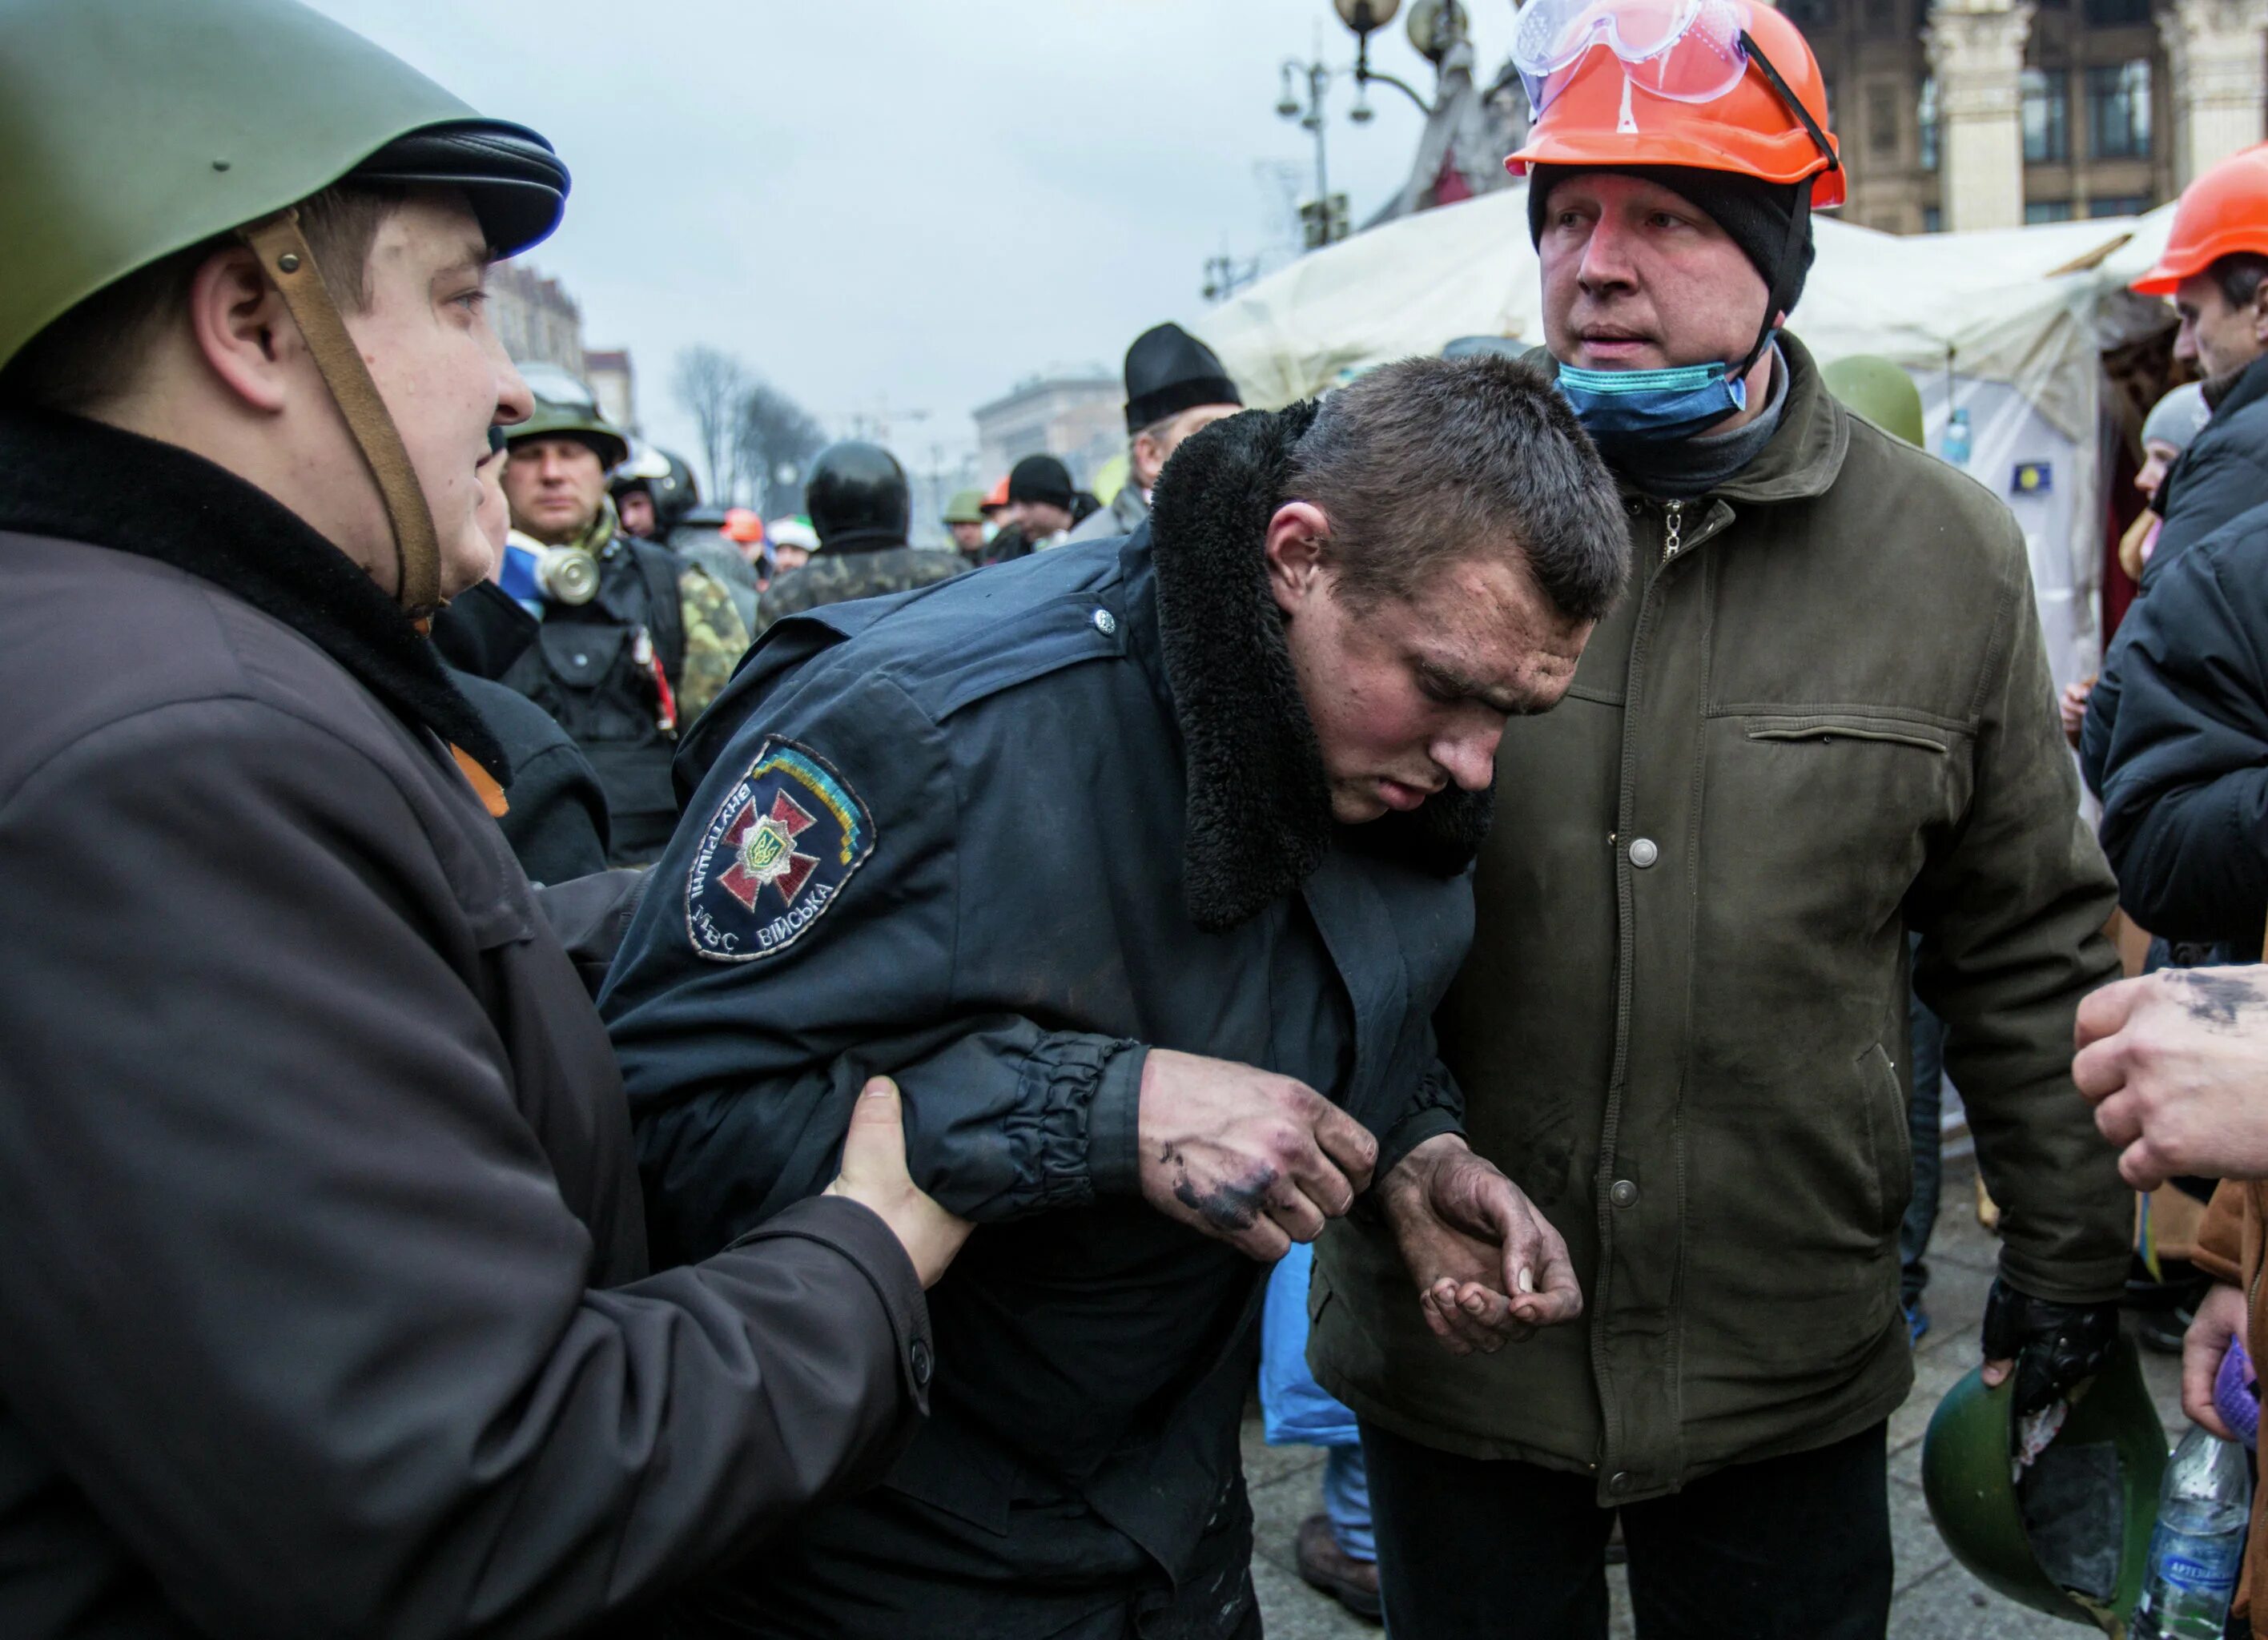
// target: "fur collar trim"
[[83, 480], [1259, 819]]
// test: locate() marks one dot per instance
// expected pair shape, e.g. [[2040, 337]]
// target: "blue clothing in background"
[[1296, 1411]]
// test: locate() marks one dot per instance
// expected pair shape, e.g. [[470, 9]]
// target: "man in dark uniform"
[[326, 1301], [862, 507], [636, 641], [1143, 868]]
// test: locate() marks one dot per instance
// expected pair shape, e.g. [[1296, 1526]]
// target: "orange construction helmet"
[[1712, 85], [997, 496], [742, 525], [2223, 211]]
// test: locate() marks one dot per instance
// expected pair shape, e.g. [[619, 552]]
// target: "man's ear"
[[1294, 545], [242, 329], [2260, 313]]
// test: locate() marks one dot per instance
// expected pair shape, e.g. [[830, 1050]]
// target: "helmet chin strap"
[[285, 258]]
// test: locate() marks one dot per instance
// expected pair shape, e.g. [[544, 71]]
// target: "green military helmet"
[[565, 408], [966, 507], [2092, 1496], [1879, 391], [135, 128]]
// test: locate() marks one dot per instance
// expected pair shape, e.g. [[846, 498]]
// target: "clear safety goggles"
[[1687, 50]]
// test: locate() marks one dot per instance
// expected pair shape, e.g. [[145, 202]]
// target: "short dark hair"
[[88, 355], [1428, 461], [2240, 275]]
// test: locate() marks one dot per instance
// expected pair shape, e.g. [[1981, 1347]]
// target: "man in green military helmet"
[[964, 521], [637, 641], [327, 1302]]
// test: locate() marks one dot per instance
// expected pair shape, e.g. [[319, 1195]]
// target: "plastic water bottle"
[[1955, 446], [2198, 1545]]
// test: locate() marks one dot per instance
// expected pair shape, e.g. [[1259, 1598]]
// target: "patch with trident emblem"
[[786, 838]]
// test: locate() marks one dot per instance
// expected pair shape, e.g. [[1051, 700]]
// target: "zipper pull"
[[1673, 524]]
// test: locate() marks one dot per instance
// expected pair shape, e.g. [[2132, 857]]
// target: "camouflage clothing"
[[716, 637], [837, 577]]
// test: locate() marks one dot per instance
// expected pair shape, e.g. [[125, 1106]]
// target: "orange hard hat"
[[1598, 108], [998, 495], [2223, 211], [742, 525]]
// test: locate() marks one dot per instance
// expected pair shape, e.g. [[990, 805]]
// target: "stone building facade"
[[1081, 418], [1991, 114]]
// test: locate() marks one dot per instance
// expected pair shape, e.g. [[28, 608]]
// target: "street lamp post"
[[1224, 276]]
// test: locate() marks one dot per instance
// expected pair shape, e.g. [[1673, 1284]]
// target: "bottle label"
[[2195, 1564]]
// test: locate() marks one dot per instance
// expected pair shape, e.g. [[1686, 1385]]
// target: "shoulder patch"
[[778, 850]]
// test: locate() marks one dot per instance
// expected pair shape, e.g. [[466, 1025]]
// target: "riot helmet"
[[856, 495]]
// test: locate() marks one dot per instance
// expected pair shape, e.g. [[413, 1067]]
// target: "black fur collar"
[[1259, 806], [84, 481]]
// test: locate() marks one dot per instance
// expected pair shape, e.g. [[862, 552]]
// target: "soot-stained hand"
[[1258, 1159], [1490, 1267], [2174, 1062]]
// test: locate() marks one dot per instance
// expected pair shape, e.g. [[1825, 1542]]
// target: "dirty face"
[[1410, 695]]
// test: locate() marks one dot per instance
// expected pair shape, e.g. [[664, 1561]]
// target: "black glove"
[[2054, 1345]]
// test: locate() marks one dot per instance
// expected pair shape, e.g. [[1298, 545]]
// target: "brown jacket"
[[326, 1305], [2232, 1246]]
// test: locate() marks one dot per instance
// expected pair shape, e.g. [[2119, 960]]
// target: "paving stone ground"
[[1935, 1599]]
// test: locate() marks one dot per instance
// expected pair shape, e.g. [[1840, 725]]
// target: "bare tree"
[[710, 383], [773, 440]]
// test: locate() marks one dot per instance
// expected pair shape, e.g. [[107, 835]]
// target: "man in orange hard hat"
[[2214, 269], [1821, 719]]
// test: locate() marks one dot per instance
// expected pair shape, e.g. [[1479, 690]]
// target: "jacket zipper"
[[1673, 528]]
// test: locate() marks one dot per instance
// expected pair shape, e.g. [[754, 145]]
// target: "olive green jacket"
[[1821, 716]]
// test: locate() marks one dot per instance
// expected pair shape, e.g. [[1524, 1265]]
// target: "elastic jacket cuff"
[[858, 1233], [1080, 1096]]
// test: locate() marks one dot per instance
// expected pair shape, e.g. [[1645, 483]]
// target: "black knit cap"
[[1041, 478], [1757, 216], [1169, 371]]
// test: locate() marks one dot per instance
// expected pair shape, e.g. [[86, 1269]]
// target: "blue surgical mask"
[[1653, 406]]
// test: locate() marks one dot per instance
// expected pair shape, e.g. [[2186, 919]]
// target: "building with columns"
[[1990, 114]]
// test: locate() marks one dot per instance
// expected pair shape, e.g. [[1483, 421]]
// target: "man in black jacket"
[[2186, 798], [326, 1306], [2215, 269], [1143, 866]]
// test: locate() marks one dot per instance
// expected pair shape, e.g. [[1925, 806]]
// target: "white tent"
[[2009, 326]]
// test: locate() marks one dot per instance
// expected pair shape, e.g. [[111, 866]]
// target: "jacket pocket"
[[1829, 726], [1887, 1101]]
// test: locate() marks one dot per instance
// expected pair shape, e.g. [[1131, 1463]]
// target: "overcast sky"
[[908, 204]]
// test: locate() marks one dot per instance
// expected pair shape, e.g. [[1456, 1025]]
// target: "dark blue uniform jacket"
[[1043, 837]]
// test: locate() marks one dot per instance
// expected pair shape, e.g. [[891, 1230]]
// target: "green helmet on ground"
[[1879, 391], [2072, 1537], [966, 507], [565, 408], [135, 128]]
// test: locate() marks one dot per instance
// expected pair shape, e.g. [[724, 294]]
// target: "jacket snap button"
[[1620, 1482], [1625, 1192], [1105, 622], [1643, 853], [919, 1358]]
